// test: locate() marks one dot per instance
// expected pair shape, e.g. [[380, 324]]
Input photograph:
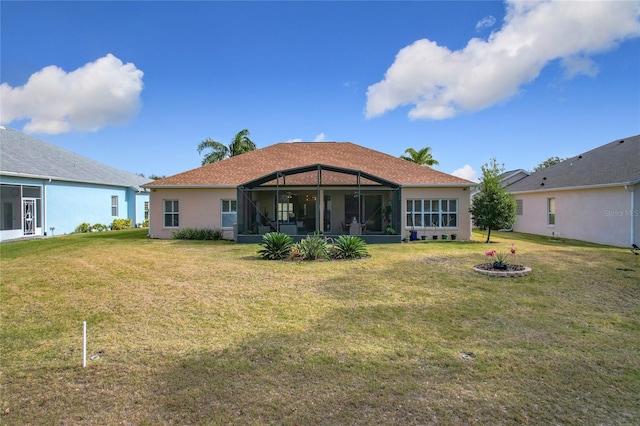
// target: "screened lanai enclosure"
[[319, 198]]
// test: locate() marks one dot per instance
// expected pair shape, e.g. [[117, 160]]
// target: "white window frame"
[[228, 209], [420, 213], [447, 212], [173, 213], [551, 211], [114, 205], [285, 211], [519, 207]]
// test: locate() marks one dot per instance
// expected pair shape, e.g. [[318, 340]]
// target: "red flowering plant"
[[501, 258]]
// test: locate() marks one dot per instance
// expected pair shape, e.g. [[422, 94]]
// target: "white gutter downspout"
[[44, 205], [632, 213]]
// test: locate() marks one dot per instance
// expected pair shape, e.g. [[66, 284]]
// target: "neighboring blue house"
[[47, 190]]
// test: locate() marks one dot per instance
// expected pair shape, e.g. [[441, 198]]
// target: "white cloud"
[[440, 83], [575, 65], [53, 101], [466, 172], [320, 138], [486, 22]]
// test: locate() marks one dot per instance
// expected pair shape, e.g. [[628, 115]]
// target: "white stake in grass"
[[84, 344]]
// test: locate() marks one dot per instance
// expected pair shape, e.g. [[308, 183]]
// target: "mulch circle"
[[489, 267], [510, 271]]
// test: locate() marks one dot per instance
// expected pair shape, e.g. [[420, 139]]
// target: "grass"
[[190, 332]]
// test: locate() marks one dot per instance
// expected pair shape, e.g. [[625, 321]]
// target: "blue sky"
[[137, 85]]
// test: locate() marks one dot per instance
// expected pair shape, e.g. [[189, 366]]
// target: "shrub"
[[118, 224], [350, 247], [313, 247], [99, 227], [197, 234], [275, 246], [294, 254], [83, 228]]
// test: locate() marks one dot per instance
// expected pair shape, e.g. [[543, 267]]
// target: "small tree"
[[493, 207]]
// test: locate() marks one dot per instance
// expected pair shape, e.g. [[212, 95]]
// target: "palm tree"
[[422, 157], [239, 145]]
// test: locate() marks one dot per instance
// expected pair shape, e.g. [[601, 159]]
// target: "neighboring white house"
[[305, 187], [47, 190], [593, 197]]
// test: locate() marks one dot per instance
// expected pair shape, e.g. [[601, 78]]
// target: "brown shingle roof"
[[282, 156]]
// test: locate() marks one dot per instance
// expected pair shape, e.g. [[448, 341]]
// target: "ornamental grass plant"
[[206, 332]]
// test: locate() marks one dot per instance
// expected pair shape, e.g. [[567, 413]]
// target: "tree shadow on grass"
[[320, 377], [293, 378], [392, 355]]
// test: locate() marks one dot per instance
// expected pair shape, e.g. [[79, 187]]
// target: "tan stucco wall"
[[602, 216], [464, 218], [199, 208]]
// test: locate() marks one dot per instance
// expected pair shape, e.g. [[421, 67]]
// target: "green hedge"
[[197, 234], [118, 224]]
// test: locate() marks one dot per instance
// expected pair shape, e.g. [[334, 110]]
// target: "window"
[[414, 212], [31, 191], [114, 205], [228, 216], [519, 205], [146, 210], [432, 213], [449, 210], [551, 211], [171, 214], [285, 212]]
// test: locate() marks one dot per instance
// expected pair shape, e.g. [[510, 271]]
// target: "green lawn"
[[207, 333]]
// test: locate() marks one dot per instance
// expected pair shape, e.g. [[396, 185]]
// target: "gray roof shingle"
[[24, 155], [617, 162]]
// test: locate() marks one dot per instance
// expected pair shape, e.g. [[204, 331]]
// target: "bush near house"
[[119, 224], [313, 247], [350, 247], [83, 228], [197, 234], [275, 246], [278, 246]]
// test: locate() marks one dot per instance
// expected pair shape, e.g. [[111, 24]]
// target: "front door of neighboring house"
[[29, 216]]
